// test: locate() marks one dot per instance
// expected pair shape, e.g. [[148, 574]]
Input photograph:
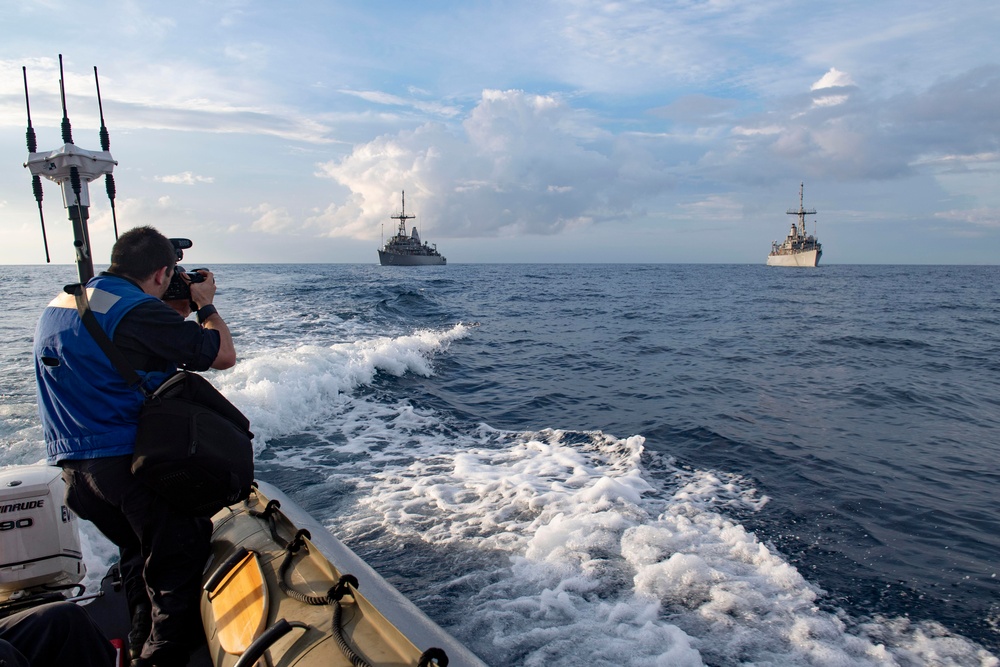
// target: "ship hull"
[[393, 259], [806, 258]]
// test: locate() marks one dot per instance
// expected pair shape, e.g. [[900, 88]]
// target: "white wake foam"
[[603, 567], [288, 391]]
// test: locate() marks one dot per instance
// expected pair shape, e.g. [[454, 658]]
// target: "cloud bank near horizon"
[[523, 163]]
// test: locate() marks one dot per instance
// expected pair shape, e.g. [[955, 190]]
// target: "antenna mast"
[[72, 169], [802, 212], [402, 217]]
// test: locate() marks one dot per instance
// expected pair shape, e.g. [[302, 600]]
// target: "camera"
[[180, 283]]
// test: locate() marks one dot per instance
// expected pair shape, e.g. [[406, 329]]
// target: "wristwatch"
[[206, 312]]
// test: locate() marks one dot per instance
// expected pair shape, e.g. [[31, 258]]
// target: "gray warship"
[[799, 248], [403, 250]]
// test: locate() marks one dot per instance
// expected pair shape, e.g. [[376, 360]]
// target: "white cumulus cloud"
[[271, 219], [185, 178], [833, 79], [519, 163]]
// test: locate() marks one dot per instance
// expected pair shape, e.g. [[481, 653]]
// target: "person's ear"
[[163, 275]]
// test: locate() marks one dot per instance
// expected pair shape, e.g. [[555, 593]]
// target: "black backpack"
[[193, 447]]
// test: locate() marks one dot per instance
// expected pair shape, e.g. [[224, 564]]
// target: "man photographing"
[[90, 415]]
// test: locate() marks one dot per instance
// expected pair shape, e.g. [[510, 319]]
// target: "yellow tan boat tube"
[[279, 584]]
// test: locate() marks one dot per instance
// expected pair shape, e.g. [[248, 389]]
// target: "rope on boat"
[[342, 588], [291, 549], [432, 657], [269, 513]]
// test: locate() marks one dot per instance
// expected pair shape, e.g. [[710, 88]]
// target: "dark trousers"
[[163, 552], [53, 635]]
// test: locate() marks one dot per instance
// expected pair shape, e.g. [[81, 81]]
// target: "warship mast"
[[801, 212]]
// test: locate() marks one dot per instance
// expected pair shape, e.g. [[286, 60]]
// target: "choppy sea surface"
[[626, 464]]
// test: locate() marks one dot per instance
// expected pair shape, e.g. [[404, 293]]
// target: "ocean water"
[[626, 464]]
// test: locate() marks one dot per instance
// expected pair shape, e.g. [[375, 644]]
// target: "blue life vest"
[[87, 409]]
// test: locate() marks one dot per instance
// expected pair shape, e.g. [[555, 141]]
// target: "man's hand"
[[203, 293]]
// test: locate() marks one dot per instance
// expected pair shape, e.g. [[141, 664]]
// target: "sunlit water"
[[628, 465]]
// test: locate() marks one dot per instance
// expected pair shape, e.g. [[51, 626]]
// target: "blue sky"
[[538, 131]]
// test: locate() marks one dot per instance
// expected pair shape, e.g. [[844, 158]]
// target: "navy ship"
[[799, 248], [403, 250]]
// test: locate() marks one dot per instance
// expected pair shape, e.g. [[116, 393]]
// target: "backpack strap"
[[118, 359]]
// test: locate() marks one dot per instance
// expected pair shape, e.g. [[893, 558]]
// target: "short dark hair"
[[140, 252]]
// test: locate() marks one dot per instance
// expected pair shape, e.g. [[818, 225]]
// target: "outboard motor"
[[39, 536]]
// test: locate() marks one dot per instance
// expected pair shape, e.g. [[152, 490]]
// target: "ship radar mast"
[[802, 212], [402, 217]]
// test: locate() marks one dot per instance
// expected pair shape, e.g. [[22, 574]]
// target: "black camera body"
[[180, 283]]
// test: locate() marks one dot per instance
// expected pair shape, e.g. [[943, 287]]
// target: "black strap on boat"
[[223, 570], [269, 509], [269, 514], [256, 649], [342, 588], [299, 541]]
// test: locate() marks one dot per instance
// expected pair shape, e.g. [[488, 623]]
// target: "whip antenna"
[[105, 139], [109, 180], [67, 131], [30, 134], [36, 182]]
